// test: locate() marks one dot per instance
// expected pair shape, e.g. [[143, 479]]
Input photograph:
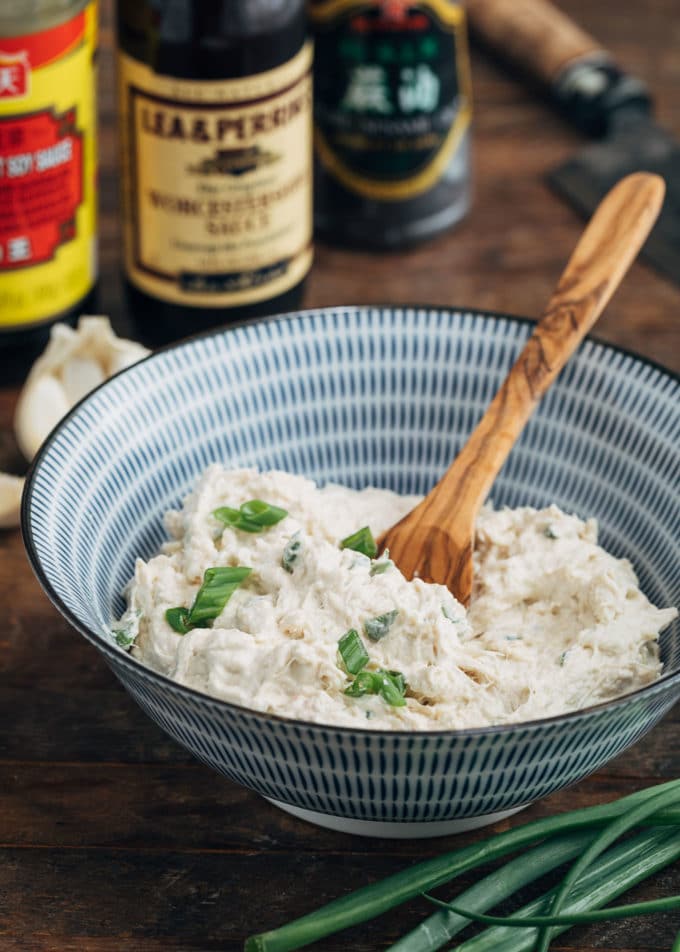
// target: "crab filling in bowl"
[[271, 595]]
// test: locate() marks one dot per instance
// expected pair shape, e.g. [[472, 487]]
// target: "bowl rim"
[[139, 669]]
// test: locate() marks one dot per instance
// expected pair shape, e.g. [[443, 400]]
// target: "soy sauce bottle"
[[48, 171], [392, 107], [215, 106]]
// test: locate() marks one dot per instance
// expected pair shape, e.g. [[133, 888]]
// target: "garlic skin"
[[40, 408], [78, 376], [73, 363], [11, 488]]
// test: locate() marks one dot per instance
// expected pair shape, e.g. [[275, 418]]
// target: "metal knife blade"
[[635, 142]]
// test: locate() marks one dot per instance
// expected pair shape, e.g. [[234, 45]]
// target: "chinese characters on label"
[[373, 85], [369, 91], [15, 72], [41, 178]]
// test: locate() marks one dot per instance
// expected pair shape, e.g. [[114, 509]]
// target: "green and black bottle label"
[[392, 92]]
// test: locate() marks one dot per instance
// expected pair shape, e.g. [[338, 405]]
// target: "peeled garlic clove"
[[41, 406], [11, 488], [124, 354], [79, 375]]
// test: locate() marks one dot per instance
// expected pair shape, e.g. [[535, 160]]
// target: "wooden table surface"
[[112, 837]]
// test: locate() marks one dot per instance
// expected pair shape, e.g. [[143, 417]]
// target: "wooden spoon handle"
[[605, 251], [435, 539]]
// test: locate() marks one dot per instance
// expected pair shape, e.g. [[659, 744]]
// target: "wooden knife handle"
[[533, 34], [582, 78]]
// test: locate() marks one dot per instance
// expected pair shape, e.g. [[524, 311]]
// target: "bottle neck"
[[212, 39], [23, 17]]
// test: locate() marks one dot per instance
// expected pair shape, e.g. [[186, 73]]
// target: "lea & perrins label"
[[216, 182]]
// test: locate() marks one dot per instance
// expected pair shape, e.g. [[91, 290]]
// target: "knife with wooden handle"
[[599, 97], [580, 75], [533, 33]]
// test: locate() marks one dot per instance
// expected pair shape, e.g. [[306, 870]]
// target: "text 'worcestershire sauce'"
[[392, 107], [215, 104]]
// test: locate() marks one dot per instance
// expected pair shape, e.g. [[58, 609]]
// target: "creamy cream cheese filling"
[[555, 624]]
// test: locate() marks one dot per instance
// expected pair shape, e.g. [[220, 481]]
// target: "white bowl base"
[[415, 830]]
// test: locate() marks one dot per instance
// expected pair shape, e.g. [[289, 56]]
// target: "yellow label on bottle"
[[48, 259], [217, 183]]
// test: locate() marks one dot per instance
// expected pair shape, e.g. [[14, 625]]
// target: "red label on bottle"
[[46, 47], [41, 171]]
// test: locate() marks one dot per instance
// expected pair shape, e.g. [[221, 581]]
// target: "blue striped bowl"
[[379, 396]]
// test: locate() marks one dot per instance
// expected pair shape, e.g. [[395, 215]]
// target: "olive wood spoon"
[[435, 540]]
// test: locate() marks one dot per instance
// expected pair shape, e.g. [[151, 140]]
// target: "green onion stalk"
[[380, 897], [616, 828], [439, 928], [618, 870]]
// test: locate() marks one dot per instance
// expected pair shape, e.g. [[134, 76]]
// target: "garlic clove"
[[11, 488], [79, 375], [97, 340], [95, 337], [40, 408], [73, 363], [123, 354], [59, 348]]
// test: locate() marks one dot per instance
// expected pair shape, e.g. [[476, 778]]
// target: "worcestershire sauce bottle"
[[215, 106], [391, 119]]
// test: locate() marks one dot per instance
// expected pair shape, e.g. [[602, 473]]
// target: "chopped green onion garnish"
[[377, 628], [263, 513], [219, 584], [362, 684], [390, 685], [550, 533], [129, 629], [361, 541], [447, 614], [382, 566], [291, 552], [123, 638], [399, 680], [178, 619], [227, 515], [563, 658], [352, 651], [253, 516]]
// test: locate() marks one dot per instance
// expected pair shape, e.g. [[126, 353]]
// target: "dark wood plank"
[[206, 901], [112, 838], [189, 808]]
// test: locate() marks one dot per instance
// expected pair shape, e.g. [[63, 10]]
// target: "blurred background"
[[507, 253]]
